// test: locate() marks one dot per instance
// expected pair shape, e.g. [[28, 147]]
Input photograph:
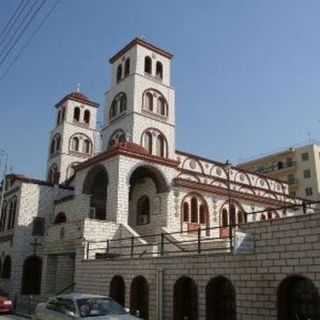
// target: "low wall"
[[283, 247]]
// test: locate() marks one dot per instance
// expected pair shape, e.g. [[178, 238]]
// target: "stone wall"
[[283, 247]]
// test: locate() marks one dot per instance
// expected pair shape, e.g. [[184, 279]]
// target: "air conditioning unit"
[[143, 219], [92, 213]]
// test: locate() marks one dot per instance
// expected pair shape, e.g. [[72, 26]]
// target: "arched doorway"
[[96, 185], [146, 185], [185, 299], [31, 277], [220, 300], [117, 289], [139, 297], [6, 268], [298, 298]]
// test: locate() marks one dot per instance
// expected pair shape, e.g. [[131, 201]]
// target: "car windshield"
[[94, 307]]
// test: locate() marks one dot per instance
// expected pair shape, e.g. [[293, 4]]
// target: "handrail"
[[202, 239], [72, 285]]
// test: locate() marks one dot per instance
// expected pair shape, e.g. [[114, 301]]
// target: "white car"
[[81, 306]]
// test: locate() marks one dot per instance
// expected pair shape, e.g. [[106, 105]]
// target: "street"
[[11, 317]]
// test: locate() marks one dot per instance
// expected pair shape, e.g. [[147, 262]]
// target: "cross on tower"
[[35, 244]]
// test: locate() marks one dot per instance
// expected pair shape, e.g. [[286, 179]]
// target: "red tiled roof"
[[78, 97]]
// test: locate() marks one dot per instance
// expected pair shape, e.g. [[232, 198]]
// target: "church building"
[[120, 205]]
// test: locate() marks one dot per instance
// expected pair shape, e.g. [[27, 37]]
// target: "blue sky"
[[246, 73]]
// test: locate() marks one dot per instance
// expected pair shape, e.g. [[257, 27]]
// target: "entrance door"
[[185, 300]]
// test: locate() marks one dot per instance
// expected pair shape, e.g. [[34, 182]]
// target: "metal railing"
[[198, 241], [191, 241]]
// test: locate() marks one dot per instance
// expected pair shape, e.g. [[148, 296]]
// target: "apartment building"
[[299, 166]]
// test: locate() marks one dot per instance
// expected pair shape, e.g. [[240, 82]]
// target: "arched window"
[[143, 210], [159, 70], [298, 298], [113, 109], [119, 103], [232, 214], [119, 72], [86, 117], [31, 277], [225, 218], [6, 269], [117, 137], [202, 214], [148, 65], [160, 150], [60, 218], [12, 213], [263, 217], [148, 103], [154, 101], [194, 210], [186, 212], [58, 142], [123, 103], [220, 300], [76, 114], [58, 118], [3, 219], [86, 146], [53, 174], [127, 67], [162, 106], [148, 141], [75, 144], [63, 114], [52, 146]]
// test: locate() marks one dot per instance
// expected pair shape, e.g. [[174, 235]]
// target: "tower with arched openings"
[[141, 102], [73, 138]]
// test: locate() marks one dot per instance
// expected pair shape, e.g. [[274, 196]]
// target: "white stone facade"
[[133, 189]]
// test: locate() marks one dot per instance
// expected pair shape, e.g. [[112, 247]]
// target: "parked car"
[[81, 306], [6, 305]]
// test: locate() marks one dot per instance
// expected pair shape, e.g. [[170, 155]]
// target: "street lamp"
[[228, 167]]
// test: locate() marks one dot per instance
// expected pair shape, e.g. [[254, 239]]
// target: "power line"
[[22, 31], [27, 43], [10, 29], [11, 18], [16, 27]]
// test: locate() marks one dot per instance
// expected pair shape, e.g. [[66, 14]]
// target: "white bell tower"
[[140, 104], [73, 139]]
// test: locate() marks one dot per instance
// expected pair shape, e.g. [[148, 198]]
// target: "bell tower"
[[140, 105], [73, 139]]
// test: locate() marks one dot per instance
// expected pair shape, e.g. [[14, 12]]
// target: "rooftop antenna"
[[142, 37], [78, 87]]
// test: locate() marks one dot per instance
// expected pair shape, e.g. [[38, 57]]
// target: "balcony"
[[280, 167]]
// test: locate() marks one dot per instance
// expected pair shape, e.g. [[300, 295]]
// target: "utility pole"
[[3, 153]]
